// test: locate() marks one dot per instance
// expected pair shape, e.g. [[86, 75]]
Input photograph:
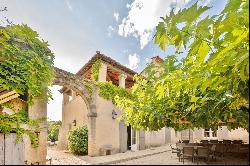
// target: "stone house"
[[110, 135]]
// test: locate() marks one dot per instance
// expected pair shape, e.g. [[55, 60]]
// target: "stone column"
[[92, 148], [122, 80], [92, 115], [123, 135], [62, 138], [65, 99], [142, 145], [38, 110], [102, 77], [170, 136]]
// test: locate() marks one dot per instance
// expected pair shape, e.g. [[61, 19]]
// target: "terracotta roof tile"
[[107, 60]]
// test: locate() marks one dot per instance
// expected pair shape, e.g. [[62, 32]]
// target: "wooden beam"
[[117, 70], [5, 94], [9, 98]]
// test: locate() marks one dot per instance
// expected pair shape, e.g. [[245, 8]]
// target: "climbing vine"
[[20, 124], [26, 66], [109, 91], [95, 70], [27, 63]]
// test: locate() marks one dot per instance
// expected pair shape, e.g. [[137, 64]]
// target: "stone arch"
[[87, 90], [83, 87]]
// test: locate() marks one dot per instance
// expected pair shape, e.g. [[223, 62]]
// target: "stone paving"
[[166, 158], [153, 156], [63, 158], [122, 157]]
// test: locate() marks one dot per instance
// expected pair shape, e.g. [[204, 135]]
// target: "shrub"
[[53, 131], [78, 140]]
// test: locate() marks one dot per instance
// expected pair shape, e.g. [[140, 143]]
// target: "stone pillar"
[[123, 135], [142, 145], [92, 148], [170, 136], [65, 99], [92, 115], [62, 138], [122, 80], [38, 110], [102, 77]]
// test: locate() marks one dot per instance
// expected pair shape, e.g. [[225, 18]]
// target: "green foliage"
[[207, 88], [53, 131], [95, 69], [26, 63], [20, 124], [78, 140], [26, 66], [109, 91]]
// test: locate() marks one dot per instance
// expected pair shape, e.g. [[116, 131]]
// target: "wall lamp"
[[74, 122], [114, 114]]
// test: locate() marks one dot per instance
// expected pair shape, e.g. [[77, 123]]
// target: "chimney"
[[156, 60]]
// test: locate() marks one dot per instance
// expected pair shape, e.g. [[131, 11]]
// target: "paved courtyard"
[[154, 156]]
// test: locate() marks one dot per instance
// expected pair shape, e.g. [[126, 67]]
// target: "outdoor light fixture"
[[114, 114], [74, 122]]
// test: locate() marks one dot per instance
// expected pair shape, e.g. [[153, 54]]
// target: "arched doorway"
[[87, 90]]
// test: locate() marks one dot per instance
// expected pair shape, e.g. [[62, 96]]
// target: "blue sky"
[[76, 29]]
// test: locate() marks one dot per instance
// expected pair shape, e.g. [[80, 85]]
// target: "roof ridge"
[[106, 59]]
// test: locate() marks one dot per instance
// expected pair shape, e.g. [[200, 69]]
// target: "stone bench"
[[106, 150]]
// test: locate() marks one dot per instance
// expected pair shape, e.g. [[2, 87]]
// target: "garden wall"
[[11, 153]]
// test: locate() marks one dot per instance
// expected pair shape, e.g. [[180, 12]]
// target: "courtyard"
[[153, 156], [129, 82]]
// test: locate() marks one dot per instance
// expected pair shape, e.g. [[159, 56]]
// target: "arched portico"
[[87, 90]]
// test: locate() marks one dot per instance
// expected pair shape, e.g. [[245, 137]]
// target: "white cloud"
[[205, 2], [69, 5], [110, 30], [134, 61], [148, 60], [143, 16], [128, 5], [116, 15]]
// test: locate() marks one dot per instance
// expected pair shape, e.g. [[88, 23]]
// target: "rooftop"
[[106, 59], [114, 69]]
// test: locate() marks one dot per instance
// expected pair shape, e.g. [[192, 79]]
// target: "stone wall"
[[222, 133], [11, 153], [75, 109], [155, 138], [107, 128]]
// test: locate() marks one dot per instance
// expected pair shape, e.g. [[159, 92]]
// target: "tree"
[[53, 130], [209, 86]]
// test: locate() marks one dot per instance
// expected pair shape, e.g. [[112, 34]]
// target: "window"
[[209, 133], [214, 133], [206, 132]]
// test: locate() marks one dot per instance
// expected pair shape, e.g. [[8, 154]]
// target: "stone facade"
[[111, 136], [221, 134], [107, 135]]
